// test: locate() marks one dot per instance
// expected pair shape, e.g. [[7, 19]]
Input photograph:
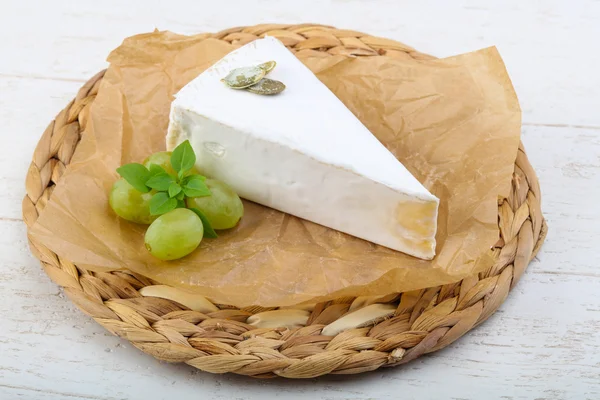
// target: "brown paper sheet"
[[454, 123]]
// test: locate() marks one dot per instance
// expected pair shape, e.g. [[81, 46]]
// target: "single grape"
[[130, 204], [163, 159], [223, 208], [174, 234]]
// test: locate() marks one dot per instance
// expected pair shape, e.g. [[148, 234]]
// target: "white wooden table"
[[543, 343]]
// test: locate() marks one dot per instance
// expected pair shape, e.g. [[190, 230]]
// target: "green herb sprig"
[[170, 191]]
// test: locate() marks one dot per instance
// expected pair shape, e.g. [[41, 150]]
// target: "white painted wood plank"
[[567, 162], [15, 392], [549, 46]]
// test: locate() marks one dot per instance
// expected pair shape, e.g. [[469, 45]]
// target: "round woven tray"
[[424, 320]]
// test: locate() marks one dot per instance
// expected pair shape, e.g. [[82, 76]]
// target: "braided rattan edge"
[[221, 341]]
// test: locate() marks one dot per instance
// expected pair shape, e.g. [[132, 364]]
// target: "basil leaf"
[[184, 181], [180, 203], [160, 203], [174, 189], [156, 169], [160, 181], [180, 196], [183, 158], [136, 175], [209, 232], [195, 187]]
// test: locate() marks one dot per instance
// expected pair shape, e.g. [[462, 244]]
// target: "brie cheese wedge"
[[302, 152]]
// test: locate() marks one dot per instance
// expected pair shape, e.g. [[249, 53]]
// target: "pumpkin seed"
[[268, 66], [267, 87], [241, 78]]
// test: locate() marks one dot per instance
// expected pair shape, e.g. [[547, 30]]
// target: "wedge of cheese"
[[302, 152]]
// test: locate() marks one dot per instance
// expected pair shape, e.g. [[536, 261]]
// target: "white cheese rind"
[[302, 152]]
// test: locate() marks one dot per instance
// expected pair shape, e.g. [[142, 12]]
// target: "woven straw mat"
[[344, 336]]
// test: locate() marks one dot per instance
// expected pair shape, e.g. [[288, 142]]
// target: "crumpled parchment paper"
[[454, 123]]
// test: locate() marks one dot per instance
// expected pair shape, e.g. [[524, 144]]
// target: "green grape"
[[163, 159], [130, 204], [174, 234], [223, 208]]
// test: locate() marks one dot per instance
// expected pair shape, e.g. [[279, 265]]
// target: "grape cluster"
[[176, 229]]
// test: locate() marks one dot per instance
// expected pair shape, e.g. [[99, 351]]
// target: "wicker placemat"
[[411, 323]]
